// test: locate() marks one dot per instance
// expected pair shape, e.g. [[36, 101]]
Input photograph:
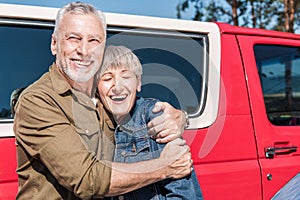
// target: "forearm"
[[174, 162], [129, 177]]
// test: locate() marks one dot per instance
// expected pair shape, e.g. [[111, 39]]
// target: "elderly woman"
[[118, 81]]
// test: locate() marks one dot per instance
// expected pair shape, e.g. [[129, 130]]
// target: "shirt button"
[[123, 153], [86, 131], [121, 198]]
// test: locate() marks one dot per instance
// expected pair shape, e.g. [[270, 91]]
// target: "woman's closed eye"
[[106, 77], [127, 75]]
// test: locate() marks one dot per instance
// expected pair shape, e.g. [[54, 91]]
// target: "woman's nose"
[[117, 88]]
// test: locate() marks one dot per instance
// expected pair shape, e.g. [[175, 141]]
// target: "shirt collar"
[[61, 86], [59, 82]]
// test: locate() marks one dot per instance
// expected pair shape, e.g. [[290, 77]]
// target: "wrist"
[[162, 171], [187, 119]]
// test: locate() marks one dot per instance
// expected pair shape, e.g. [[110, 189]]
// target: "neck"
[[85, 87], [122, 119]]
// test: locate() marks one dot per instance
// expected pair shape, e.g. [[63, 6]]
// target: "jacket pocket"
[[136, 150]]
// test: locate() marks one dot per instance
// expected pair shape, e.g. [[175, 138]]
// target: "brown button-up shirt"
[[64, 142]]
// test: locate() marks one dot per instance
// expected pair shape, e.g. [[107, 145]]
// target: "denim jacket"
[[133, 144]]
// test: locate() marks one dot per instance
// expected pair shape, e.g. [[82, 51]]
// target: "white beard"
[[80, 76]]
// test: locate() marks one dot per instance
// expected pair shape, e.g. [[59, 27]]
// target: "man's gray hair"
[[79, 8], [120, 56]]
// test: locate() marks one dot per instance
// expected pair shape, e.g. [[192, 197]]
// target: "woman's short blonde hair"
[[120, 56]]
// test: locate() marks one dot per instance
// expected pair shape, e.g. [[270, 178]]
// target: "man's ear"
[[53, 44]]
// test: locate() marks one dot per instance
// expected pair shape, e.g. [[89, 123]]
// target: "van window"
[[25, 56], [173, 62], [279, 70]]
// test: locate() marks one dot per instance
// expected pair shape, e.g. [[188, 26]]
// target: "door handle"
[[270, 152]]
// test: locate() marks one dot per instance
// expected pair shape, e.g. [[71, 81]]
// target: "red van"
[[240, 87]]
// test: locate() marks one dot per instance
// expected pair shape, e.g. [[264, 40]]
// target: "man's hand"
[[177, 158], [167, 126], [174, 162]]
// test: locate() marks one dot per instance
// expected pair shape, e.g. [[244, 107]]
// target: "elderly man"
[[64, 136]]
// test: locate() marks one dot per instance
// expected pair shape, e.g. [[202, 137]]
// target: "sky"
[[157, 8]]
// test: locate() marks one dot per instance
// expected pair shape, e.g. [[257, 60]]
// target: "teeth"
[[118, 98], [84, 63]]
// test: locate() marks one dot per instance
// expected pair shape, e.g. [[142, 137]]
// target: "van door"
[[272, 66]]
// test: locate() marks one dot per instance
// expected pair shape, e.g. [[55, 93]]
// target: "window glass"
[[25, 56], [279, 70], [172, 62], [173, 65]]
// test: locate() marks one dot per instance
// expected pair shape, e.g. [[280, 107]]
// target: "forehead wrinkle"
[[73, 33], [80, 34], [95, 36]]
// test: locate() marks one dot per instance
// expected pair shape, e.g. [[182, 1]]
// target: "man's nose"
[[83, 48]]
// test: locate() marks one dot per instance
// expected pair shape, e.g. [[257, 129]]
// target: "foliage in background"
[[283, 15]]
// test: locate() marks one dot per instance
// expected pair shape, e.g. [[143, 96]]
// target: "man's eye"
[[95, 41], [72, 38]]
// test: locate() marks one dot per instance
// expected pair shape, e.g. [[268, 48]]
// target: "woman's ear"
[[139, 86], [53, 45]]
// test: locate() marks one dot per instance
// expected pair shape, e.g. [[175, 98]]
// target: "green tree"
[[288, 15], [280, 15], [263, 13], [214, 10], [249, 13]]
